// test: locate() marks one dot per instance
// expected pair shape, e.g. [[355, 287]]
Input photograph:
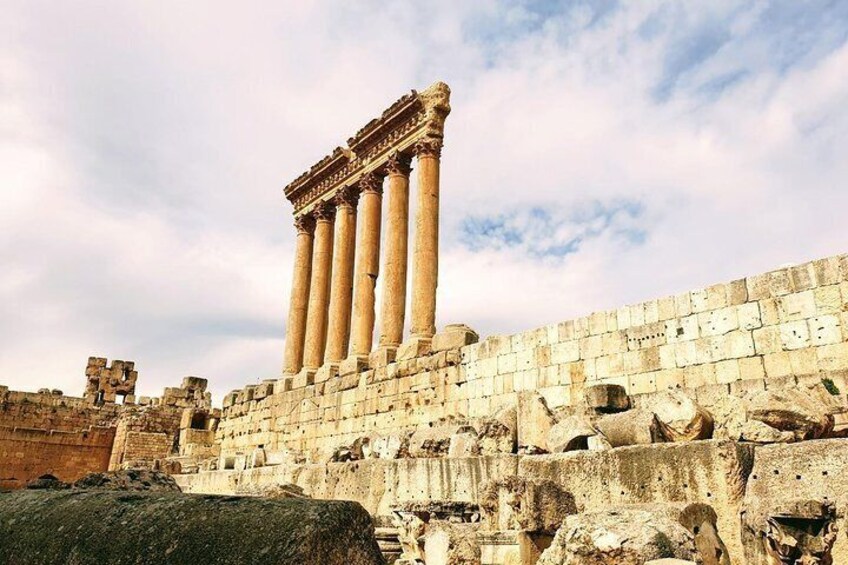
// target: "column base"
[[414, 347], [353, 364], [383, 356], [305, 377], [326, 372]]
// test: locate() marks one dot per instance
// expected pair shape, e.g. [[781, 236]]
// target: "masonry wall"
[[26, 454], [53, 411], [789, 323]]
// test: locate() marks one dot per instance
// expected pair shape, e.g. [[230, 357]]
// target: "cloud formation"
[[598, 153]]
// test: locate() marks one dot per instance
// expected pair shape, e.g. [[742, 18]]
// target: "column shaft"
[[319, 290], [425, 265], [368, 263], [299, 304], [393, 309], [342, 285]]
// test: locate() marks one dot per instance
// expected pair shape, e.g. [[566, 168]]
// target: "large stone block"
[[634, 427], [607, 398], [454, 336], [534, 422]]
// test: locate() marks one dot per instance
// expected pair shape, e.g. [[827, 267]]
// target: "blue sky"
[[598, 153]]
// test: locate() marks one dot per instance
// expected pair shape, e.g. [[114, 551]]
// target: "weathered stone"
[[171, 527], [634, 427], [789, 532], [499, 433], [535, 420], [435, 441], [598, 443], [412, 519], [759, 432], [135, 480], [47, 482], [607, 398], [623, 536], [454, 336], [791, 410], [446, 543], [286, 490], [570, 434], [390, 446], [464, 443], [533, 505], [683, 418]]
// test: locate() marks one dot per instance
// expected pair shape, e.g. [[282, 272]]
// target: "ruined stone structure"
[[50, 433], [553, 445], [332, 313], [709, 427]]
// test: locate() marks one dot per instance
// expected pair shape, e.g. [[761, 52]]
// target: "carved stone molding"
[[371, 182], [416, 116], [346, 196], [304, 223], [399, 164], [324, 212]]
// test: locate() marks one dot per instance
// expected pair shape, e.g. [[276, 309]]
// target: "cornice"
[[417, 116]]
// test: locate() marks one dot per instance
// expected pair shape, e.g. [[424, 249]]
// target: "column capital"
[[304, 223], [399, 164], [371, 182], [324, 212], [347, 196], [428, 147]]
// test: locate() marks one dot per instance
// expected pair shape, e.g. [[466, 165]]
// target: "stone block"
[[727, 371], [825, 330], [777, 365], [413, 348], [683, 304], [718, 322], [749, 316], [565, 352], [828, 299], [797, 306], [633, 427], [739, 344], [534, 422], [833, 357], [447, 543], [607, 398], [795, 335], [454, 336], [355, 364], [666, 308], [682, 329], [767, 340]]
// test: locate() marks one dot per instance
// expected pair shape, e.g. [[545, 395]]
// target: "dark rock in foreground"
[[88, 527]]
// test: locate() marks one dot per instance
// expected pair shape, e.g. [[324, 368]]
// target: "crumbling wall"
[[786, 325], [26, 454]]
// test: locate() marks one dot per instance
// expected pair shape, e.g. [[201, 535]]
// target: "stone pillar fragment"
[[319, 289], [393, 308], [341, 294], [425, 262], [296, 327], [367, 267]]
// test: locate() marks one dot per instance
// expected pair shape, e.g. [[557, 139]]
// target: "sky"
[[598, 154]]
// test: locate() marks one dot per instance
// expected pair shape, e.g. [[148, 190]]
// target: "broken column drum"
[[332, 313]]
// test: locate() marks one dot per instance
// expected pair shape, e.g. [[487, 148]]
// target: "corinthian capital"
[[346, 196], [428, 147], [371, 182], [398, 164], [324, 212], [304, 223]]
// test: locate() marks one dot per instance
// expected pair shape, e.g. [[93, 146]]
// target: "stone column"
[[319, 289], [393, 308], [296, 327], [367, 270], [425, 262], [338, 337]]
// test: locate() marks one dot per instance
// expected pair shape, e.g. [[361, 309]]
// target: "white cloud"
[[143, 151]]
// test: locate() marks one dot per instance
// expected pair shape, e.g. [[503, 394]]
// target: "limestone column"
[[393, 308], [341, 293], [296, 327], [425, 262], [367, 263], [319, 288]]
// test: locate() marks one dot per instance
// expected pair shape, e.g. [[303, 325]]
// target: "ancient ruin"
[[708, 427]]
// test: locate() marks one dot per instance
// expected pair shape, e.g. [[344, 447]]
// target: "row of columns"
[[327, 322]]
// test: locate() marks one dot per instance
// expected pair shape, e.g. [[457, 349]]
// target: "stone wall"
[[790, 323], [26, 454], [48, 432]]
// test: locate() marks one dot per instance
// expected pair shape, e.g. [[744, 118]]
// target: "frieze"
[[414, 117]]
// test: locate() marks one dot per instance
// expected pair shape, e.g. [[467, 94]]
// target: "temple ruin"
[[709, 427]]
